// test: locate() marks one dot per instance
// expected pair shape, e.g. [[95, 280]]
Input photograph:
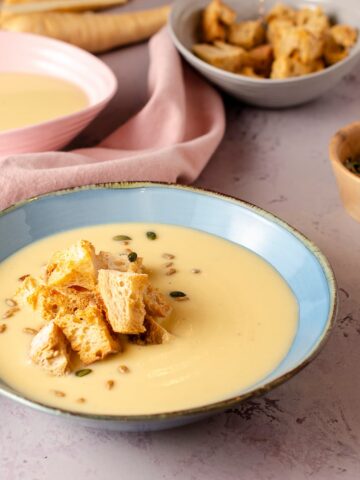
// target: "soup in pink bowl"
[[51, 91]]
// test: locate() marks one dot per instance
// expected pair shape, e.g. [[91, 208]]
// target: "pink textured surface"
[[309, 428]]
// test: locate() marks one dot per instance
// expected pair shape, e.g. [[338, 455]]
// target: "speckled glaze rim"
[[217, 406], [354, 55], [338, 138]]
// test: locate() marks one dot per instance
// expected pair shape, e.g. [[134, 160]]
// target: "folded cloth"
[[171, 139]]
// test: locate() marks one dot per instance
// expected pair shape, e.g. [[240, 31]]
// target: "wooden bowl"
[[345, 144]]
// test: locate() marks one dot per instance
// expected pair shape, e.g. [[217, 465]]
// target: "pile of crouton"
[[286, 43], [89, 302]]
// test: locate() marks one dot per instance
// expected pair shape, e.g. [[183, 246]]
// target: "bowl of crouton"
[[268, 54]]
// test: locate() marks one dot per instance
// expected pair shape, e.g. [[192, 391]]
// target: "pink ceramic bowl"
[[23, 52]]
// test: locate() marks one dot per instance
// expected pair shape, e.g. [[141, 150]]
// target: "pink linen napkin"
[[171, 139]]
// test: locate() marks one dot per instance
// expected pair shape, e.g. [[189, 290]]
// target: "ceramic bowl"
[[345, 145], [300, 263], [183, 23], [22, 52]]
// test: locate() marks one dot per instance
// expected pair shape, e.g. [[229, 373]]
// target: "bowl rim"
[[214, 407], [68, 49], [335, 142], [353, 56]]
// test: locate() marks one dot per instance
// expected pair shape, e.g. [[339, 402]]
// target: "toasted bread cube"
[[313, 19], [214, 19], [247, 35], [29, 291], [260, 60], [221, 55], [74, 266], [249, 72], [50, 350], [286, 67], [154, 333], [333, 52], [54, 302], [88, 334], [299, 40], [344, 35], [276, 28], [281, 12], [156, 303], [109, 261], [123, 297]]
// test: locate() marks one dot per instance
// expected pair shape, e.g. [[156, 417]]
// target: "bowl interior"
[[185, 17], [21, 52], [302, 266]]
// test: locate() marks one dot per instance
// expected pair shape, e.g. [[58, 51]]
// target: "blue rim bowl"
[[299, 261]]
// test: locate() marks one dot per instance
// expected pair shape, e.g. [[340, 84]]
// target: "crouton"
[[281, 12], [333, 52], [154, 334], [286, 67], [260, 59], [215, 17], [88, 334], [299, 40], [54, 302], [313, 19], [156, 304], [249, 72], [75, 265], [221, 55], [276, 28], [123, 297], [344, 35], [247, 35], [50, 350], [28, 292], [109, 261]]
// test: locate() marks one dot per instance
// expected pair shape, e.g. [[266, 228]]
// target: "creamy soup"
[[235, 328], [27, 99]]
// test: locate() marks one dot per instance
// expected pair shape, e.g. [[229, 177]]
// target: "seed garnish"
[[83, 372], [169, 264], [10, 302], [110, 384], [58, 393], [132, 257], [22, 278], [11, 312], [171, 271], [121, 238], [168, 256], [2, 328], [30, 331], [81, 400], [177, 294], [123, 369], [151, 235], [195, 270]]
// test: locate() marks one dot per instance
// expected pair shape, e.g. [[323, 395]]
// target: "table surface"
[[308, 427]]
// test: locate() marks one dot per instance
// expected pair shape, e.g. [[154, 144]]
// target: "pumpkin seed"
[[83, 372], [151, 235], [132, 257], [121, 238], [177, 294]]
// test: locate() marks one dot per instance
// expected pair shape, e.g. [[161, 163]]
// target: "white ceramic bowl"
[[22, 52], [263, 92]]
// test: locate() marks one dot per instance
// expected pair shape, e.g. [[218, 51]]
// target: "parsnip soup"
[[233, 319], [28, 99]]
